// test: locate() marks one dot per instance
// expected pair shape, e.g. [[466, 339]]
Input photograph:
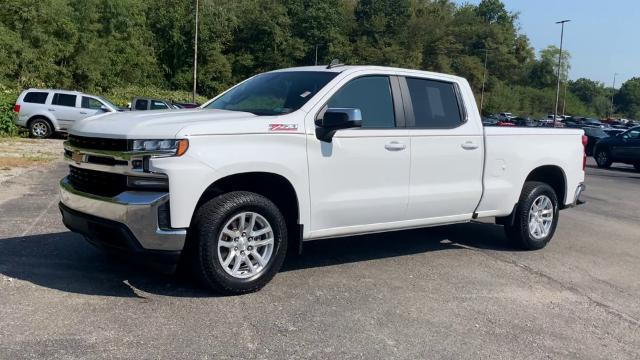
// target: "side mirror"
[[334, 119], [104, 109]]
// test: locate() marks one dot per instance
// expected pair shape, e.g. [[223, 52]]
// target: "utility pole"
[[195, 58], [613, 91], [555, 114], [316, 54], [484, 78]]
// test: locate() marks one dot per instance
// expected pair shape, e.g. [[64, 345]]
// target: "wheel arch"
[[273, 186], [43, 117], [553, 176]]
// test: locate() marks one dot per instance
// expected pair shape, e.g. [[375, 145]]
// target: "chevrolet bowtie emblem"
[[77, 157]]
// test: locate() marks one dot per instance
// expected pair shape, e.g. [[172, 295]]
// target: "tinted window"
[[36, 97], [141, 104], [370, 94], [633, 134], [64, 100], [274, 93], [91, 103], [156, 105], [435, 104]]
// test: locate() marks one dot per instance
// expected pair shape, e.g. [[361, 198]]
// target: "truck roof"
[[354, 68]]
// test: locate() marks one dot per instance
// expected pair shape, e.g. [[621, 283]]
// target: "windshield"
[[273, 93], [108, 102]]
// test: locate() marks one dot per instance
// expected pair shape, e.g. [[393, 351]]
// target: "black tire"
[[518, 232], [207, 226], [603, 158], [40, 128]]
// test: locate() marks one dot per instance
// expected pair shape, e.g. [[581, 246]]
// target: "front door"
[[360, 179]]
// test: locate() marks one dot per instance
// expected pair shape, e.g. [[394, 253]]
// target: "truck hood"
[[169, 124]]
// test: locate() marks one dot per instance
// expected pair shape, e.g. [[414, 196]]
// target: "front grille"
[[96, 143], [97, 182]]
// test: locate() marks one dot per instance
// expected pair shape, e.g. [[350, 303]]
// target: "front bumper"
[[128, 221]]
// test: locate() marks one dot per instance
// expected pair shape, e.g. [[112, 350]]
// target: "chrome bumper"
[[137, 210]]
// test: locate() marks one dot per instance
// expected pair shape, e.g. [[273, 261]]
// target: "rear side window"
[[141, 104], [156, 105], [435, 104], [372, 96], [35, 97], [90, 103], [64, 100]]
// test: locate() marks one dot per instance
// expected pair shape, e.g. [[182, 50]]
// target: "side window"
[[91, 103], [370, 94], [435, 104], [142, 104], [64, 100], [157, 105], [633, 134], [35, 97]]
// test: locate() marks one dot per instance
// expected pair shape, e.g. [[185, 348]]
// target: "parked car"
[[248, 178], [624, 148], [140, 104], [593, 135], [505, 116], [613, 131], [47, 111], [489, 121], [524, 122], [187, 105]]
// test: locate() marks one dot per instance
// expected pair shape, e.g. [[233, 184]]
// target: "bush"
[[7, 100]]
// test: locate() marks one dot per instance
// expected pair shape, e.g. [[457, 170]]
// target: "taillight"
[[16, 108], [585, 141]]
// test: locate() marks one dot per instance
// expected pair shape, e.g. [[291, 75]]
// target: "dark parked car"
[[594, 135], [139, 103], [613, 131], [624, 148], [524, 122]]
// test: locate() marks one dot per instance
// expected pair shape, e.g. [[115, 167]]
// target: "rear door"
[[628, 148], [65, 108], [446, 151]]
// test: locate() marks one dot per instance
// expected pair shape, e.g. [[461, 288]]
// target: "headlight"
[[166, 146]]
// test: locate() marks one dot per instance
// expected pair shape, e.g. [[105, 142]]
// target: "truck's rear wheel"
[[536, 217], [241, 242]]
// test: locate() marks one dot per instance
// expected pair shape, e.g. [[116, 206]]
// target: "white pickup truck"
[[309, 153]]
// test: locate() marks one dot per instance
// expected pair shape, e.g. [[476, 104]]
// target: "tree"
[[550, 54], [628, 98]]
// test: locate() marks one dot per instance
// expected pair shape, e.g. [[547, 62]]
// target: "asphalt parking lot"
[[447, 292]]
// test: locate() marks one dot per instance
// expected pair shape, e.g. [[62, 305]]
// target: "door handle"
[[51, 109], [83, 113], [469, 145], [395, 146]]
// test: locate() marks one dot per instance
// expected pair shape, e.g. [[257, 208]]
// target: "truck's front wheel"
[[241, 242], [536, 217]]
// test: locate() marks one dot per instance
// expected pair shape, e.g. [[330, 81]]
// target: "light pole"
[[555, 114], [613, 91], [484, 78], [195, 58]]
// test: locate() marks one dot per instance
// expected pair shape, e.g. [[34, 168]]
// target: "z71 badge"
[[283, 127]]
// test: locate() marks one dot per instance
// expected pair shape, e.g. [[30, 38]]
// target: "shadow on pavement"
[[64, 261]]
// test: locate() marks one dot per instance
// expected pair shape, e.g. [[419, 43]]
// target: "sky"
[[603, 36]]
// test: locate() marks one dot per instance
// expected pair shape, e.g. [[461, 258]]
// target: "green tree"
[[628, 98]]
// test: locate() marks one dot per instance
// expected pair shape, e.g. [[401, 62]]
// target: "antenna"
[[334, 63]]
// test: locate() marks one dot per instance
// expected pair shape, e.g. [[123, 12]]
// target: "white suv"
[[44, 112]]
